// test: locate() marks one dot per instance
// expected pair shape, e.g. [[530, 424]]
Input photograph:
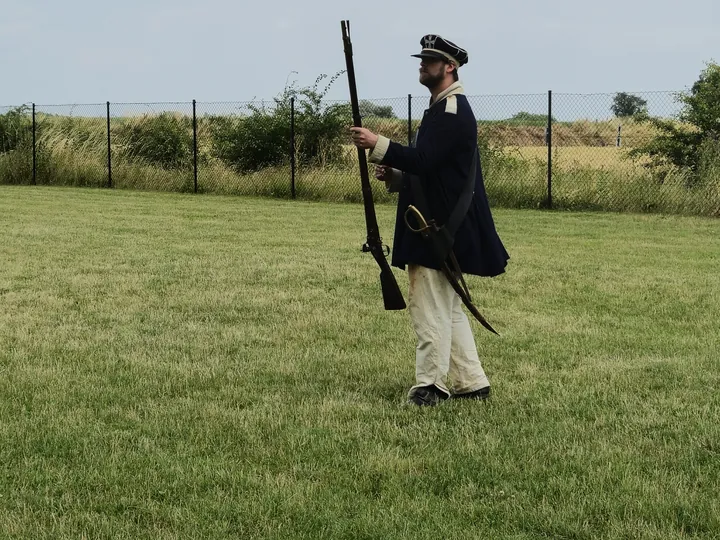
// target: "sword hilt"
[[418, 217]]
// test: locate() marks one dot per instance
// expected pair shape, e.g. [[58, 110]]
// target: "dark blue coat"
[[442, 158]]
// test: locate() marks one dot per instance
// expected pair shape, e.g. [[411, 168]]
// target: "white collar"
[[452, 90]]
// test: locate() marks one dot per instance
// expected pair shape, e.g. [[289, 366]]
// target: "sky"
[[83, 51]]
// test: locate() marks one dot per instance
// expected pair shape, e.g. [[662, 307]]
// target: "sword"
[[450, 273]]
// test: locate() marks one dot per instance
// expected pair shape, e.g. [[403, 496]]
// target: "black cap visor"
[[431, 54]]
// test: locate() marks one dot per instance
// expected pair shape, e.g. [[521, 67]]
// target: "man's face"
[[432, 72]]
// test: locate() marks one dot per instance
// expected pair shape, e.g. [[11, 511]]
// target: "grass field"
[[179, 366]]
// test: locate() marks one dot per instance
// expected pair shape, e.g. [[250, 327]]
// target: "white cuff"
[[381, 148]]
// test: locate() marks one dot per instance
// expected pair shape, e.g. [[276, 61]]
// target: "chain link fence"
[[539, 150], [71, 145]]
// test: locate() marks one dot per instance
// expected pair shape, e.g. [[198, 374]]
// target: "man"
[[442, 167]]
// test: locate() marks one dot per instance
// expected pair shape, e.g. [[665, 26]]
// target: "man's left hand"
[[363, 138]]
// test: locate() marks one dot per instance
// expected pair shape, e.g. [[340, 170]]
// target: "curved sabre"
[[425, 229]]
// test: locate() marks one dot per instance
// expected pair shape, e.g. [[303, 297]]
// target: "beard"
[[430, 80]]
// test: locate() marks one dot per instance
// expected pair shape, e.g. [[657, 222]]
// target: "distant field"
[[567, 157], [578, 133], [575, 157]]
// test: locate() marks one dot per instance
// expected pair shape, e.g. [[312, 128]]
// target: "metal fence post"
[[549, 146], [34, 151], [409, 125], [195, 147], [292, 146], [109, 154]]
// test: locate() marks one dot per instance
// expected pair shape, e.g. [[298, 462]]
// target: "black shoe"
[[482, 393], [427, 396]]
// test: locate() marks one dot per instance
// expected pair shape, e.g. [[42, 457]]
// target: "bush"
[[16, 146], [368, 109], [709, 161], [492, 155], [164, 140], [15, 129], [251, 143], [262, 139], [528, 119], [683, 144]]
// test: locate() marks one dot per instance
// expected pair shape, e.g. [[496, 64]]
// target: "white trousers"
[[446, 355]]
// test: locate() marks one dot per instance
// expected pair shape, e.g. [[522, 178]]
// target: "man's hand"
[[363, 138], [383, 172]]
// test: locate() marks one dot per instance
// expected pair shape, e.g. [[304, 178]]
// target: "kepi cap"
[[435, 46]]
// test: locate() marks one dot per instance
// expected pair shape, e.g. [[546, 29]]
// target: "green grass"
[[180, 366]]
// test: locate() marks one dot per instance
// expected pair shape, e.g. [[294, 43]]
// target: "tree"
[[369, 109], [625, 105], [686, 144]]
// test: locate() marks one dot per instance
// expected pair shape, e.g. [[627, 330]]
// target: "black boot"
[[482, 393], [427, 396]]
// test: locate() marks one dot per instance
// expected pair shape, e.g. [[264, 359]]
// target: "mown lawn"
[[197, 366]]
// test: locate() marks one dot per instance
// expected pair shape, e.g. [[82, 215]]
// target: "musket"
[[392, 297]]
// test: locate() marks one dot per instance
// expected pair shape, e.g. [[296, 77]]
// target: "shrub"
[[164, 140], [369, 109], [262, 138], [251, 143], [16, 146], [15, 129], [709, 161], [528, 119], [683, 144]]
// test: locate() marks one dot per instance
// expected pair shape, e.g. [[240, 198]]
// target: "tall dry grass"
[[586, 174]]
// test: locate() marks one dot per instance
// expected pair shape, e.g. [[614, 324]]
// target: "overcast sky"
[[83, 51]]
